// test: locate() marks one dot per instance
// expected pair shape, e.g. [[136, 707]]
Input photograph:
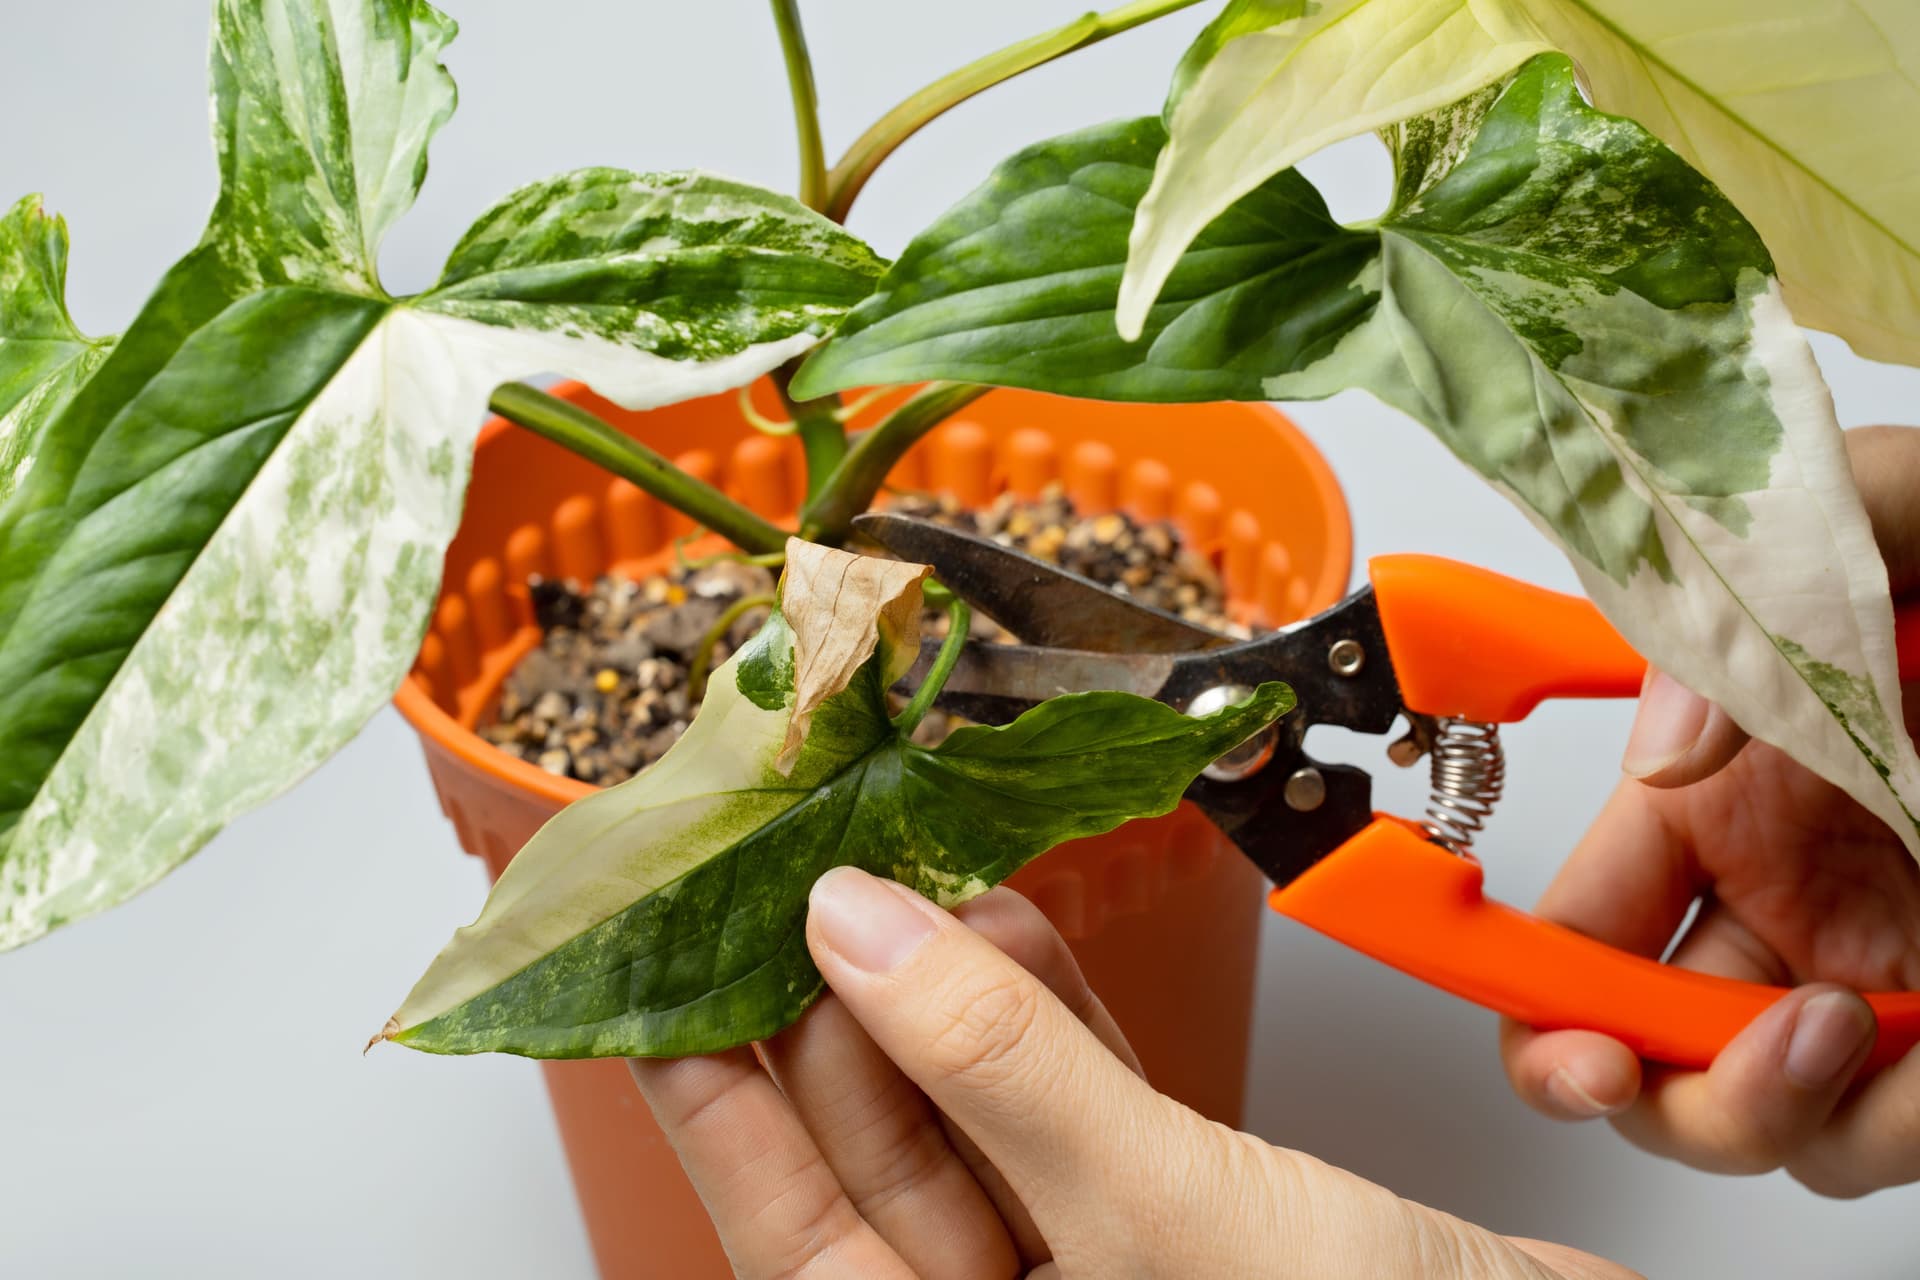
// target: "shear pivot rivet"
[[1346, 657], [1251, 756], [1305, 790]]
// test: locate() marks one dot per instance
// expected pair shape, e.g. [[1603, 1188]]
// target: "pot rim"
[[432, 721]]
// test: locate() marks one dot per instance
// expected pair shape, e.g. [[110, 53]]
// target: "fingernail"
[[867, 921], [1828, 1032], [1670, 720], [1573, 1097]]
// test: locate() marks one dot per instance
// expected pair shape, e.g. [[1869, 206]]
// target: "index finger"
[[1629, 883], [1631, 879]]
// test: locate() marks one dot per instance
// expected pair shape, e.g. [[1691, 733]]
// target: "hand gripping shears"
[[1452, 650]]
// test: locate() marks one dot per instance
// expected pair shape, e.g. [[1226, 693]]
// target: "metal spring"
[[1469, 770]]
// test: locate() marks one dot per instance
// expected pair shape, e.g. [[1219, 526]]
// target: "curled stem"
[[769, 560], [701, 666], [759, 421], [851, 172], [959, 621], [599, 442]]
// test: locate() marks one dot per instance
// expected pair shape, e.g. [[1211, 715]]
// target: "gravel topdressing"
[[605, 694]]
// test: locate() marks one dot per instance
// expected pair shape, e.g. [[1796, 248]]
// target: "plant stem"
[[703, 656], [959, 620], [806, 104], [850, 489], [850, 174], [823, 437], [578, 431]]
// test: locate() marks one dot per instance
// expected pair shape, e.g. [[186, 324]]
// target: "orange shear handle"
[[1396, 896], [1471, 643]]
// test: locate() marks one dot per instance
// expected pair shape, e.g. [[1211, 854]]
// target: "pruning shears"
[[1453, 651]]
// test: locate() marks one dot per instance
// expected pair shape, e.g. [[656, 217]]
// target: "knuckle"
[[802, 1230], [1724, 1146], [980, 1029], [1826, 1178], [1713, 1139], [693, 1093], [905, 1166], [1747, 1148]]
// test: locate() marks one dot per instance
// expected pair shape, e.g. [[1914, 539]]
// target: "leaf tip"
[[387, 1032], [810, 383]]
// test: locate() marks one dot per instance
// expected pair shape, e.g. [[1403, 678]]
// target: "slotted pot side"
[[1163, 914]]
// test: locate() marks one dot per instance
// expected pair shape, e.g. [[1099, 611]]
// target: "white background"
[[181, 1085]]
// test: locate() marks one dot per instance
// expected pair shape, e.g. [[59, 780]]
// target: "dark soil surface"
[[606, 692]]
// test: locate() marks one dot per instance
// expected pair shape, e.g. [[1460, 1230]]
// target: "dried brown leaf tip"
[[840, 607]]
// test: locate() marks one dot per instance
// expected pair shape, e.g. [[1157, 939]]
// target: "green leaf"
[[1270, 82], [666, 916], [1016, 285], [43, 356], [261, 479], [1581, 317]]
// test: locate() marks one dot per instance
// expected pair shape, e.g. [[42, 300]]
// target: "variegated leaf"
[[1786, 105], [1581, 317], [1775, 100], [667, 915], [43, 356], [221, 554], [1270, 82]]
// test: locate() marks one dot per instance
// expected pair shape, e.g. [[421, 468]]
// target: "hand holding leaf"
[[666, 915]]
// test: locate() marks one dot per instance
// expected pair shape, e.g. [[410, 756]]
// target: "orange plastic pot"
[[1163, 914]]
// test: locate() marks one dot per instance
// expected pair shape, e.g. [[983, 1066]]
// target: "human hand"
[[1798, 884], [961, 1106]]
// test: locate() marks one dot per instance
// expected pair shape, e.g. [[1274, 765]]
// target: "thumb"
[[1119, 1179], [1048, 1104], [1678, 736]]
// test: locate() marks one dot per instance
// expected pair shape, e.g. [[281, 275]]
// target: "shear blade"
[[1023, 675], [1041, 603]]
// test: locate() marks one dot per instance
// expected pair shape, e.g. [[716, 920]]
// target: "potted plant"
[[262, 475]]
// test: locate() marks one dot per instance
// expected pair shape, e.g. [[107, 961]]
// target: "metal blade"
[[1041, 603], [1026, 674], [1340, 669]]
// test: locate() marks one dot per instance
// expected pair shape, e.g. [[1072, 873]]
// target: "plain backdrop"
[[181, 1085]]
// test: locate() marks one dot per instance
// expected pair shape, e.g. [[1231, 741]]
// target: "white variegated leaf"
[[1626, 371], [1270, 82], [1785, 104], [221, 551], [1580, 316], [309, 600], [43, 355], [1791, 107]]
